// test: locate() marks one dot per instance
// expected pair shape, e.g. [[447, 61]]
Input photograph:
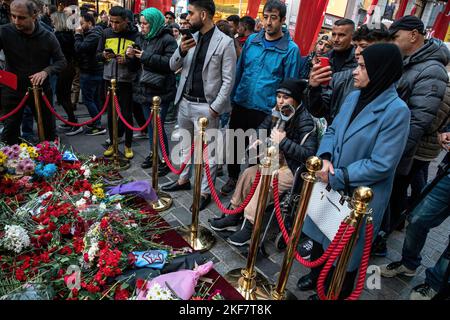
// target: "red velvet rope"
[[75, 124], [331, 247], [164, 151], [129, 126], [16, 109], [216, 196], [334, 255], [364, 263]]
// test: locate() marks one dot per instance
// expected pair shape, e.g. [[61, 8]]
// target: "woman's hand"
[[130, 52], [277, 135], [326, 169]]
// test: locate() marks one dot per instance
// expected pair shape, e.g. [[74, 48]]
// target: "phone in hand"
[[324, 62], [109, 50], [136, 46], [187, 33]]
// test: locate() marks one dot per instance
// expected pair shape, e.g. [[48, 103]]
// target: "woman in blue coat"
[[367, 138]]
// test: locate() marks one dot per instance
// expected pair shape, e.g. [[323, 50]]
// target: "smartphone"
[[324, 62], [136, 46], [187, 33], [109, 50]]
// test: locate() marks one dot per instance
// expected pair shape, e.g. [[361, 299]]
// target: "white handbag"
[[327, 208]]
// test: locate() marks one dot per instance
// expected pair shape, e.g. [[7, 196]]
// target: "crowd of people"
[[384, 96]]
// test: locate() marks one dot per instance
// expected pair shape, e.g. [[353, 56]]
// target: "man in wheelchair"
[[295, 134]]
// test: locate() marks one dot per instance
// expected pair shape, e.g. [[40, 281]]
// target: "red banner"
[[253, 8], [401, 9], [441, 25], [309, 22]]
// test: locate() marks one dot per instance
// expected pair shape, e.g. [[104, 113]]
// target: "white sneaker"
[[74, 131], [422, 292], [394, 269]]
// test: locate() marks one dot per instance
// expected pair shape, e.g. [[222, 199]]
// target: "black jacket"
[[422, 86], [297, 128], [29, 54], [350, 61], [66, 41], [86, 49], [155, 58]]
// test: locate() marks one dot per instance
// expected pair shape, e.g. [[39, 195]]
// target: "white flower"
[[92, 252], [118, 206], [156, 292], [102, 206], [87, 194], [80, 203], [94, 198], [16, 238], [87, 171]]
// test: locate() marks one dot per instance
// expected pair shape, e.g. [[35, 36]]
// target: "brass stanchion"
[[119, 164], [199, 238], [313, 164], [250, 284], [361, 198], [37, 105], [164, 200]]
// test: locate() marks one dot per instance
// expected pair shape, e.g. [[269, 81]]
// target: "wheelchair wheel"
[[279, 242]]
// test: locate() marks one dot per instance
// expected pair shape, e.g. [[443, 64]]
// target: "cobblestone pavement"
[[228, 257]]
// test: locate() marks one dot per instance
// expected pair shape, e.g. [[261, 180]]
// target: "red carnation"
[[121, 294], [65, 229], [141, 284], [20, 275]]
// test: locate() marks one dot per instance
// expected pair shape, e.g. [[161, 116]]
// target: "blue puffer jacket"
[[260, 70]]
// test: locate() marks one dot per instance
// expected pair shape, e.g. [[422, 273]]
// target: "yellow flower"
[[23, 146], [3, 158]]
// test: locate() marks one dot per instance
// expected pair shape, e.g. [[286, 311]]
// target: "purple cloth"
[[140, 188]]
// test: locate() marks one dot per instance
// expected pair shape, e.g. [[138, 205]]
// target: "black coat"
[[296, 129], [86, 50], [155, 58], [66, 41]]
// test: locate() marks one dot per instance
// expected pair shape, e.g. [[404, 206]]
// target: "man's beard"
[[194, 28]]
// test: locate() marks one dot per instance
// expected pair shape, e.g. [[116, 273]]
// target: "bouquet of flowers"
[[61, 235]]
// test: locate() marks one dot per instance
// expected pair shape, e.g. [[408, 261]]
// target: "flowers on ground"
[[16, 238]]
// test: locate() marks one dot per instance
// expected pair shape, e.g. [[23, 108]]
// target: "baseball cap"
[[407, 23]]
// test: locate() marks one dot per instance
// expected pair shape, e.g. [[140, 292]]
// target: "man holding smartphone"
[[208, 60], [111, 50]]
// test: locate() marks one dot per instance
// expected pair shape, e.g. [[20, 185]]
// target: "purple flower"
[[15, 148], [29, 168], [7, 151]]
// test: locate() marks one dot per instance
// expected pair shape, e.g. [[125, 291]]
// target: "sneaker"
[[109, 152], [422, 292], [74, 131], [228, 187], [129, 153], [95, 131], [148, 162], [65, 126], [305, 248], [140, 135], [227, 223], [243, 236], [394, 269]]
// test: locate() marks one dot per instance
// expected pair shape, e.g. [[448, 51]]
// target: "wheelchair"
[[288, 203]]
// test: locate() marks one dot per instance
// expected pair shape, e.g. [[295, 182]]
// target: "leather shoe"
[[174, 186], [204, 201], [305, 283]]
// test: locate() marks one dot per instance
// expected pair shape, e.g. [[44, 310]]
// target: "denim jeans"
[[162, 114], [430, 213], [434, 276], [90, 90], [27, 123]]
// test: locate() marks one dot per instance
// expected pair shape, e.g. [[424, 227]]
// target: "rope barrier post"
[[360, 201], [313, 165], [119, 163], [164, 200], [199, 238], [37, 105], [251, 284]]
